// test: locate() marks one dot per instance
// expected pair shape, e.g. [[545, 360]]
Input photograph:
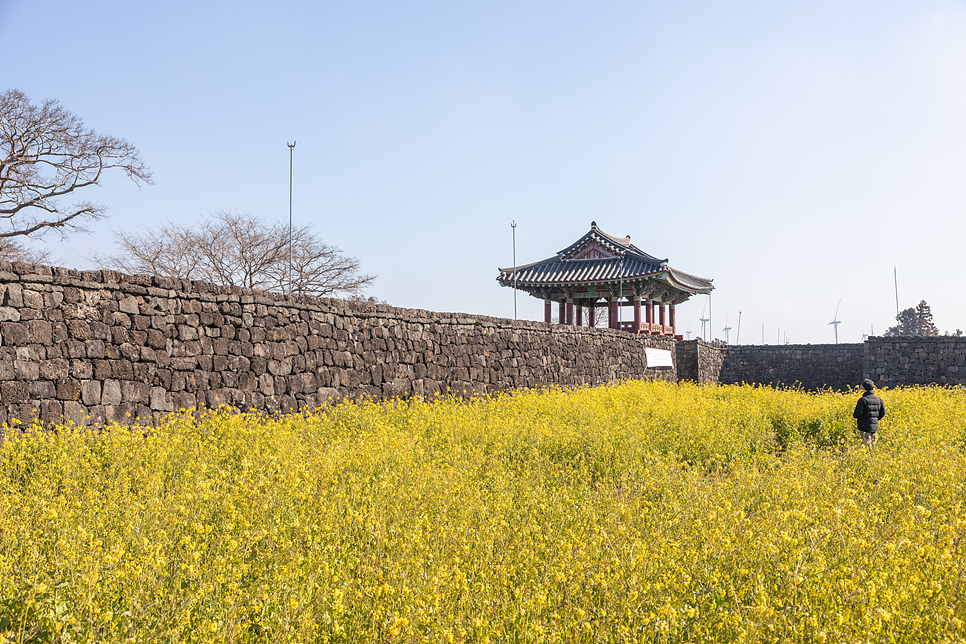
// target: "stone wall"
[[810, 366], [891, 362], [108, 346], [699, 361]]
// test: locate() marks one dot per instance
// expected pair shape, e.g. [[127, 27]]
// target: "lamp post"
[[513, 225], [291, 155]]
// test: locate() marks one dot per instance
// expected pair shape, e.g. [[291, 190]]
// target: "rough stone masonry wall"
[[891, 362], [699, 361], [100, 344], [811, 366]]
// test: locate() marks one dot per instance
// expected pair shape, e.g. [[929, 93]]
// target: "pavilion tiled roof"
[[564, 271], [625, 263]]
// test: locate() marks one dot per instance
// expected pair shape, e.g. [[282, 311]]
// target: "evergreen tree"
[[914, 321], [925, 325]]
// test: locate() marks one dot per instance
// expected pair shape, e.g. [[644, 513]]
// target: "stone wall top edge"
[[761, 347], [159, 286], [918, 338]]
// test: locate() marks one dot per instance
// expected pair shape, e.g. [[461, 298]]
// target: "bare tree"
[[317, 268], [46, 153], [14, 251], [236, 249]]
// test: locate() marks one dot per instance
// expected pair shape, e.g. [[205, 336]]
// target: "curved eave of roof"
[[688, 282]]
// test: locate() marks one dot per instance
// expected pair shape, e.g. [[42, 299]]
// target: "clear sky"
[[795, 152]]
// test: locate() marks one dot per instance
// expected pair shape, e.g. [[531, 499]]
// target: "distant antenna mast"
[[513, 225], [709, 312], [704, 321], [836, 322], [291, 156], [895, 277]]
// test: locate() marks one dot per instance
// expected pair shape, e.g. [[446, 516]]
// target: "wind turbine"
[[836, 322], [726, 327], [688, 332], [704, 321]]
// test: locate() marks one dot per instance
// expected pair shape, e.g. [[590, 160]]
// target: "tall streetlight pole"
[[291, 155], [513, 225]]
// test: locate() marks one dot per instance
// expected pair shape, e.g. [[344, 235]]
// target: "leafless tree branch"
[[46, 153]]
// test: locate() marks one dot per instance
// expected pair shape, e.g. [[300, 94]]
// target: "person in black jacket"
[[868, 411]]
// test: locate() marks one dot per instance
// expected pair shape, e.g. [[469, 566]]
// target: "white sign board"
[[658, 357]]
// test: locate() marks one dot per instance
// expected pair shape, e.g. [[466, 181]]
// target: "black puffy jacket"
[[868, 411]]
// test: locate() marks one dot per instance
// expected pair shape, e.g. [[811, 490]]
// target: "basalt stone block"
[[14, 334], [96, 349], [51, 410], [155, 339], [13, 296], [9, 314], [81, 369], [130, 351], [217, 397], [68, 389], [134, 392], [75, 413], [79, 329], [42, 390], [129, 305], [159, 400], [91, 392], [26, 370], [266, 384], [102, 369]]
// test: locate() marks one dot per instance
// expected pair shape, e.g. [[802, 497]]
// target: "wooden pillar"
[[562, 313], [570, 313], [637, 315], [590, 315], [661, 308], [612, 316], [671, 321], [547, 308], [580, 313], [649, 315]]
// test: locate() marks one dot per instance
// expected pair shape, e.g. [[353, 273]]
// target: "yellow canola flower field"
[[642, 512]]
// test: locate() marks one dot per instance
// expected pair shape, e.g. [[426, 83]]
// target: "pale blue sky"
[[792, 151]]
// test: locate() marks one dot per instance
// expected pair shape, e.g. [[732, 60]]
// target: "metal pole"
[[513, 225], [291, 155], [738, 334], [895, 276]]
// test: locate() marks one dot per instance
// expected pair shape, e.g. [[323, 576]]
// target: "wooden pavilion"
[[601, 267]]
